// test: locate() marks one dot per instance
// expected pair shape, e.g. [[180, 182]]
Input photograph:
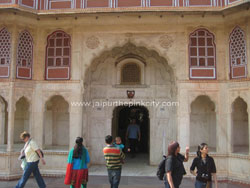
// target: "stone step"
[[126, 182]]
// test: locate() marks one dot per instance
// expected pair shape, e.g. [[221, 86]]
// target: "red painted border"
[[46, 56], [189, 54]]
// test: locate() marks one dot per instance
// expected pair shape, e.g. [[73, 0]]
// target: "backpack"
[[161, 169]]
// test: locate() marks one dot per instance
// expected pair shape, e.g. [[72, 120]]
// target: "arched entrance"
[[122, 116], [108, 81]]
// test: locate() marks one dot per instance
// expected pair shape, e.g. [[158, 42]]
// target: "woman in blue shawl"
[[77, 168]]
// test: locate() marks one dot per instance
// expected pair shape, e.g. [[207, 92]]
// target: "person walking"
[[77, 168], [114, 157], [134, 135], [205, 168], [174, 165], [32, 155]]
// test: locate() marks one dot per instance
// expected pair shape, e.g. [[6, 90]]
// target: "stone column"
[[223, 112], [183, 132], [152, 141], [2, 121], [248, 110], [229, 123], [11, 102], [75, 121], [38, 113], [11, 118]]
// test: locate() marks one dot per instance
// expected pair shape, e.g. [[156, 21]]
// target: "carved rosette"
[[92, 42], [166, 41]]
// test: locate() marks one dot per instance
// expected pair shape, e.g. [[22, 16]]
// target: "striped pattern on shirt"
[[113, 157]]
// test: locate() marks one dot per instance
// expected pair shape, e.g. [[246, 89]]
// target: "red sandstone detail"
[[161, 3], [199, 2], [60, 5], [23, 72], [203, 73], [5, 1], [97, 3], [29, 3], [58, 73], [4, 71], [239, 71], [128, 3]]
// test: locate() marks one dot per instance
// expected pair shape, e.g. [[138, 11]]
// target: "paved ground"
[[126, 182]]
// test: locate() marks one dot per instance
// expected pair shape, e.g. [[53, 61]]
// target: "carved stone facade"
[[56, 111]]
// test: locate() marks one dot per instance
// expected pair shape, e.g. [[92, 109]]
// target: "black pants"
[[132, 145]]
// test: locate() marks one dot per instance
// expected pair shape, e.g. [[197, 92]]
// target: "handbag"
[[24, 163], [22, 152]]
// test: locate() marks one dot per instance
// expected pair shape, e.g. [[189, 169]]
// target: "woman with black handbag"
[[31, 153], [205, 168]]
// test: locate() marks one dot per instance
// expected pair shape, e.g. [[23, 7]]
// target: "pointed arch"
[[240, 126], [203, 122], [3, 121], [56, 123], [22, 118]]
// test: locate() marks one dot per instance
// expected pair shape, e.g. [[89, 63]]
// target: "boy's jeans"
[[199, 184], [114, 177], [31, 168]]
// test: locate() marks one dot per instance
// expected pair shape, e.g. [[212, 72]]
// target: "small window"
[[130, 74]]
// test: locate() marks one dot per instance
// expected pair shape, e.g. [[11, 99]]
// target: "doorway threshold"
[[138, 166]]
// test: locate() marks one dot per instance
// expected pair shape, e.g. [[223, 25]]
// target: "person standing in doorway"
[[32, 154], [134, 135], [205, 168], [114, 157]]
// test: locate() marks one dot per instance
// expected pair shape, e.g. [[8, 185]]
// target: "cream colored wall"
[[91, 36]]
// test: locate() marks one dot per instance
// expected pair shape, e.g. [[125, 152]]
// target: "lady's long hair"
[[200, 147], [172, 147], [77, 153]]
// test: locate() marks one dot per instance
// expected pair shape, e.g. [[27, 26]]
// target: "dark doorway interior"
[[122, 117]]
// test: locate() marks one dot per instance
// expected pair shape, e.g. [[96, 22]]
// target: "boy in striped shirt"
[[113, 156]]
